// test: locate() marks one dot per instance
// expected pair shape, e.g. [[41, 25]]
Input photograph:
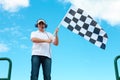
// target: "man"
[[41, 54]]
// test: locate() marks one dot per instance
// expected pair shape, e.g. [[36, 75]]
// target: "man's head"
[[42, 23]]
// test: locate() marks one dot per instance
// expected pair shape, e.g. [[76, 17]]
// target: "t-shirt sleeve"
[[33, 35]]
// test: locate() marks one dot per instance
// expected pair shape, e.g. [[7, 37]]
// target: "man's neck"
[[42, 30]]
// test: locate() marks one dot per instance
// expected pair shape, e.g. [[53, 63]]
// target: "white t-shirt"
[[41, 49]]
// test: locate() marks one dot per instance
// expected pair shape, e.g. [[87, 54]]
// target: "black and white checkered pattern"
[[79, 22]]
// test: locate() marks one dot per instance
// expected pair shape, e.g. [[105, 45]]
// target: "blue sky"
[[74, 58]]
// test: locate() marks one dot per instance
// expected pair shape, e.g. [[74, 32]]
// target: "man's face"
[[41, 25]]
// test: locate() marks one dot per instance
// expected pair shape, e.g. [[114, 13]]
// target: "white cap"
[[41, 20]]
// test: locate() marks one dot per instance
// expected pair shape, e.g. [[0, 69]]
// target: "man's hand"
[[56, 31], [56, 41]]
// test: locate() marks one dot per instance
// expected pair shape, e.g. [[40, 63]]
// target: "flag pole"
[[62, 20]]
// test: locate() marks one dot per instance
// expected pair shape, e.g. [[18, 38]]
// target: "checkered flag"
[[79, 22]]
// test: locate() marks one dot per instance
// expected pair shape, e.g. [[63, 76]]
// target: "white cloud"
[[3, 47], [107, 10], [11, 30], [24, 38], [13, 5], [23, 46], [7, 29]]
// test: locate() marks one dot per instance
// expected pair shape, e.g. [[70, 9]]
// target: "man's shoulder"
[[34, 32], [49, 33]]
